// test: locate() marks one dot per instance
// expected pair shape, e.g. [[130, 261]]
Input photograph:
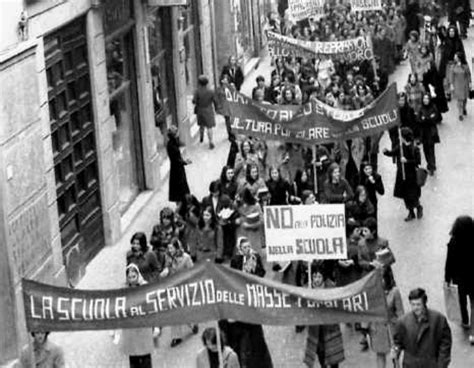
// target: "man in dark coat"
[[235, 72], [178, 183], [423, 334]]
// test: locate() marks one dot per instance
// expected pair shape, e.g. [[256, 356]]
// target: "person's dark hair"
[[270, 172], [203, 80], [195, 210], [412, 75], [215, 186], [418, 293], [331, 169], [209, 334], [242, 146], [260, 78], [402, 95], [168, 213], [223, 177], [462, 230], [371, 224], [351, 224], [358, 190], [407, 134], [141, 237], [46, 333], [247, 197], [201, 218], [248, 175]]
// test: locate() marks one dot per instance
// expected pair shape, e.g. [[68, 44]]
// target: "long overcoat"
[[178, 183]]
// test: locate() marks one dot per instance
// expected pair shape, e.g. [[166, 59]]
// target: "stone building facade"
[[87, 91]]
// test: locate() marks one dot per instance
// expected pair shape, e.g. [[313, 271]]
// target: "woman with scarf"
[[247, 339], [250, 222], [177, 260], [143, 257], [372, 183], [406, 186], [137, 343], [324, 342], [381, 334], [428, 131]]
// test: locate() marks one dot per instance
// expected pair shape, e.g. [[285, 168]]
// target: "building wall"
[[28, 204], [224, 32]]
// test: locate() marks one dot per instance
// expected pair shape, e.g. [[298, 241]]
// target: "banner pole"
[[315, 169], [219, 345], [401, 152], [309, 274]]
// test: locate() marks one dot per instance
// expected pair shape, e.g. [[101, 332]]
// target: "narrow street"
[[419, 246]]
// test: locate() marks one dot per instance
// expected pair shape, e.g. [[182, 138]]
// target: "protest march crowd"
[[316, 62]]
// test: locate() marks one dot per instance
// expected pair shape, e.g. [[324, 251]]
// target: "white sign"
[[365, 5], [302, 9], [305, 232]]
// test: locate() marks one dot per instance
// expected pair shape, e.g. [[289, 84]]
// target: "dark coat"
[[178, 184], [427, 345], [427, 130], [458, 268], [407, 189], [236, 75], [373, 188], [205, 101], [279, 190]]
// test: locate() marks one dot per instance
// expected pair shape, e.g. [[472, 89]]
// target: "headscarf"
[[141, 280]]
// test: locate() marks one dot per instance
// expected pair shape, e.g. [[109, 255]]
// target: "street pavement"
[[419, 246]]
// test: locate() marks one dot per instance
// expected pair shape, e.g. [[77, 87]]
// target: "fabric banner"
[[352, 50], [206, 292], [302, 9], [366, 5], [305, 232], [313, 122]]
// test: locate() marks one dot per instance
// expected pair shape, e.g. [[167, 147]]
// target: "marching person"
[[423, 335], [42, 353], [381, 334], [458, 268], [208, 357], [248, 339], [177, 260], [144, 257], [429, 118], [205, 102], [323, 341], [460, 83], [137, 343], [406, 185], [178, 183]]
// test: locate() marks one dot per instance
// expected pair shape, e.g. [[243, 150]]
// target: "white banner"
[[305, 232], [365, 5], [302, 9]]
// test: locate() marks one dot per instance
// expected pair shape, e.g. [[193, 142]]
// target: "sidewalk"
[[107, 269]]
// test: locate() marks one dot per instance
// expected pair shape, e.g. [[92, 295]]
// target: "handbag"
[[471, 94], [451, 302], [421, 175]]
